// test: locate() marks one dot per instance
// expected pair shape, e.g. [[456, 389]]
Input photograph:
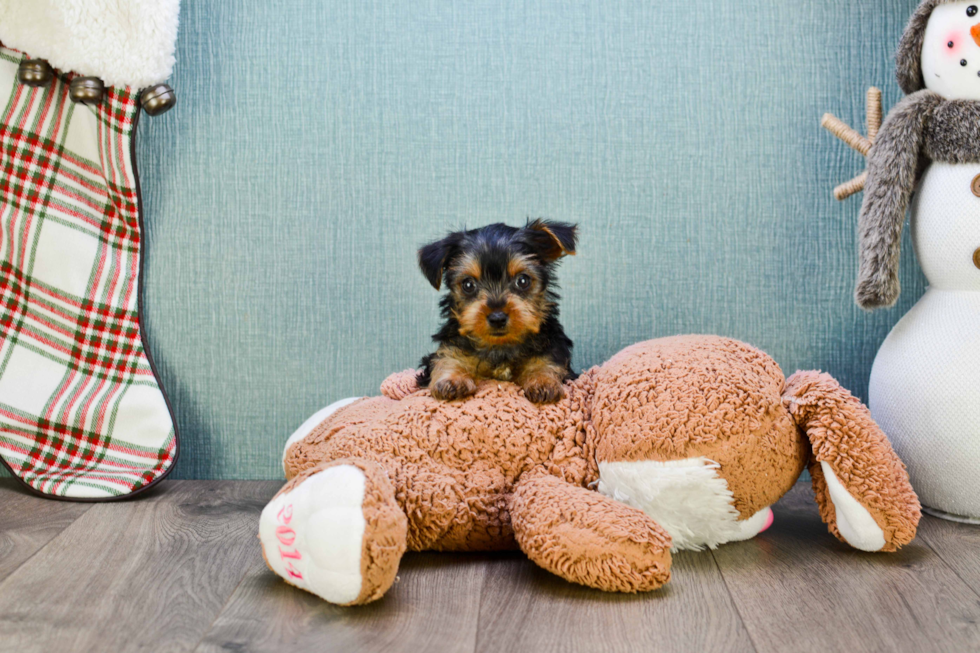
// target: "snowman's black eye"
[[962, 62], [949, 45], [971, 11]]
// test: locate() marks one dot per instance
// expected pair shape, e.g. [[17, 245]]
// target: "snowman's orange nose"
[[975, 33]]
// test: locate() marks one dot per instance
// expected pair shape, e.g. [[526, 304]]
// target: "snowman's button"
[[975, 186], [976, 257]]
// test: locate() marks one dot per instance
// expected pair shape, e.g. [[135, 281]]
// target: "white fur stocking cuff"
[[124, 42]]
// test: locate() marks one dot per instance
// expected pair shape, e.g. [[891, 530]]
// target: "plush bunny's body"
[[676, 443]]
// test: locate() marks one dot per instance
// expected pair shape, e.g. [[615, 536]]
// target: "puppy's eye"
[[468, 286], [971, 11], [523, 282]]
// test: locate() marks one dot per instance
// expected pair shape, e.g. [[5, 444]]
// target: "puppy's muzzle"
[[497, 320]]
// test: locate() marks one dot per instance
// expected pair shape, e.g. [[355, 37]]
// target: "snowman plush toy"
[[925, 384]]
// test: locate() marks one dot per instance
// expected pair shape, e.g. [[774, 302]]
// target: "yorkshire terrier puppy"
[[500, 311]]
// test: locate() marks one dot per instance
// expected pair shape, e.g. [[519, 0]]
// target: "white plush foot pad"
[[854, 522], [314, 421], [313, 535]]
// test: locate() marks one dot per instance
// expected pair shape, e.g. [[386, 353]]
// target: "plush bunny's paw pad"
[[854, 523], [313, 535]]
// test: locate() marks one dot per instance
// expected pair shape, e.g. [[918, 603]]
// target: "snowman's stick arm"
[[843, 131], [852, 187], [862, 144], [873, 112]]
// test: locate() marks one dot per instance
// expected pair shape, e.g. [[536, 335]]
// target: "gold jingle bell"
[[158, 99], [86, 90], [35, 72]]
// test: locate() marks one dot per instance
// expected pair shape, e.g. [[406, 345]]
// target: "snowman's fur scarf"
[[124, 42], [952, 132], [893, 166], [923, 127]]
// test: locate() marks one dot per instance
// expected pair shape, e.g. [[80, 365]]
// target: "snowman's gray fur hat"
[[908, 67]]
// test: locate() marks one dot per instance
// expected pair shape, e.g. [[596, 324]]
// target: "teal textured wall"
[[317, 143]]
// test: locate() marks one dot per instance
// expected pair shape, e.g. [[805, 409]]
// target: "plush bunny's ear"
[[908, 58], [434, 258], [552, 240]]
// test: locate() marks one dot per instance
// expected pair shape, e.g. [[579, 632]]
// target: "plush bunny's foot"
[[336, 531], [861, 487]]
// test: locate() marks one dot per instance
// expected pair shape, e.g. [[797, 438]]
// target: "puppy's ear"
[[435, 257], [552, 240]]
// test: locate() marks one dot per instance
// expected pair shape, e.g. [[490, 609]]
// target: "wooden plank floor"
[[180, 570]]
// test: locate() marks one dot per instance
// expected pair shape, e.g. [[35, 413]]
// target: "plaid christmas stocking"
[[82, 414]]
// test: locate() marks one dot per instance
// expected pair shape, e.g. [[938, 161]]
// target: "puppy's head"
[[499, 278]]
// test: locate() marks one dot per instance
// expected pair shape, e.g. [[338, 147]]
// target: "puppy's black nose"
[[497, 319]]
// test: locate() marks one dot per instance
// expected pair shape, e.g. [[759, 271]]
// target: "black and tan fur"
[[500, 310]]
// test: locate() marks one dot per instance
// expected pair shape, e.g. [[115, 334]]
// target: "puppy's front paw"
[[543, 390], [453, 387]]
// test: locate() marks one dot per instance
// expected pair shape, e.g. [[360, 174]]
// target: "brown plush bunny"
[[682, 442]]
